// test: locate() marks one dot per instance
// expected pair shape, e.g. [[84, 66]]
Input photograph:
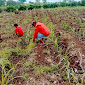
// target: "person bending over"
[[18, 31], [41, 31]]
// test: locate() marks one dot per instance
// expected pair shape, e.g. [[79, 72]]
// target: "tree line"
[[11, 5]]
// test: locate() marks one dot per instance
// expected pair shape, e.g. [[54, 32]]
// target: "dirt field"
[[61, 61]]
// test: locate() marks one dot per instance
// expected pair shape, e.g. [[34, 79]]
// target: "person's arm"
[[35, 34]]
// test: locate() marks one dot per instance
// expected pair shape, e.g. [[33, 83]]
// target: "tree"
[[83, 2], [44, 1], [22, 1], [31, 2], [64, 0], [2, 2], [37, 1], [11, 2]]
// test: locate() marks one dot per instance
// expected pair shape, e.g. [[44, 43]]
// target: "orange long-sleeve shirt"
[[40, 28], [19, 30]]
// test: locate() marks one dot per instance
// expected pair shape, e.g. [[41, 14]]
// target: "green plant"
[[10, 8], [47, 69], [0, 10], [22, 7], [60, 50], [56, 43], [38, 71], [46, 52], [30, 7], [6, 52], [4, 44], [6, 72]]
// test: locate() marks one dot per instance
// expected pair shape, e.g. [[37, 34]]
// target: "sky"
[[47, 0]]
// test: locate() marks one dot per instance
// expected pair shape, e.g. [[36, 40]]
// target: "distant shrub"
[[30, 7], [73, 3], [10, 8], [54, 5], [62, 4], [83, 2], [12, 3], [22, 7], [50, 5], [37, 6], [0, 10]]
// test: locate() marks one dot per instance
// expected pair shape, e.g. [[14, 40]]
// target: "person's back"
[[42, 29], [18, 30]]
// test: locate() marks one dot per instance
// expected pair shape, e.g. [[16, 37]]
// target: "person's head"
[[34, 23], [15, 25]]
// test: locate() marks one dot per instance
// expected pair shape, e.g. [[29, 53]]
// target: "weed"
[[46, 52]]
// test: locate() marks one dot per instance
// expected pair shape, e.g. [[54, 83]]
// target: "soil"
[[76, 50]]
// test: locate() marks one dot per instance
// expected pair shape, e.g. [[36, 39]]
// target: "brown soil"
[[46, 58]]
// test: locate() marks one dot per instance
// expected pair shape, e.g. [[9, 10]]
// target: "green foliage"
[[12, 3], [0, 10], [56, 43], [2, 2], [37, 1], [38, 71], [34, 6], [6, 52], [4, 63], [30, 7], [10, 8], [62, 4], [73, 3], [44, 1], [37, 6], [22, 7], [50, 5], [83, 2], [4, 44], [22, 0], [47, 69], [46, 52]]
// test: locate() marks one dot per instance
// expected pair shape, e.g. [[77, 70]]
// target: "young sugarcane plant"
[[6, 72], [56, 43]]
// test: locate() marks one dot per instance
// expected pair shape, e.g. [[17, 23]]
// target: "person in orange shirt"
[[41, 31], [18, 31]]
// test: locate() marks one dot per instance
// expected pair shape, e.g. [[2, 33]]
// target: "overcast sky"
[[47, 0]]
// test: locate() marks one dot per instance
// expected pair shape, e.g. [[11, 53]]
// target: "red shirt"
[[40, 28], [19, 30]]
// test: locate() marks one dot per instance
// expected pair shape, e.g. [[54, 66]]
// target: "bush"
[[74, 3], [62, 4], [0, 10], [30, 7], [22, 7], [37, 6], [10, 8], [50, 5], [83, 2]]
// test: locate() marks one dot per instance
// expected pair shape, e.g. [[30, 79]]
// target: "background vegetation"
[[60, 61], [21, 5]]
